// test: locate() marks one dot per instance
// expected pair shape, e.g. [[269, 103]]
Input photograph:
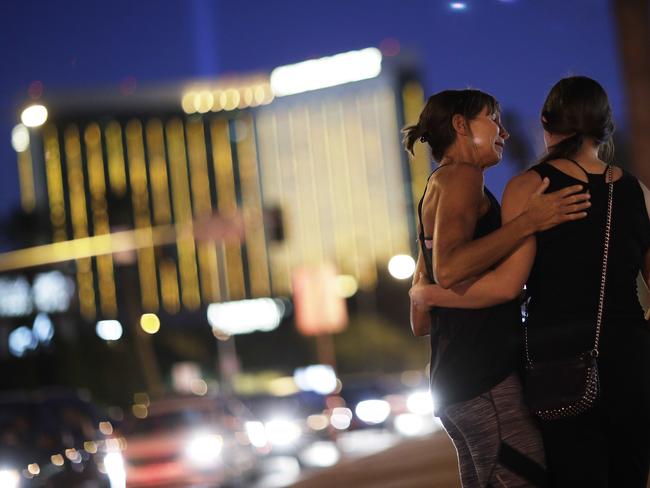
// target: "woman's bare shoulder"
[[456, 176], [524, 182]]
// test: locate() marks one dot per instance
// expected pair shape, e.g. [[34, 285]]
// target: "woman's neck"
[[588, 158], [460, 154]]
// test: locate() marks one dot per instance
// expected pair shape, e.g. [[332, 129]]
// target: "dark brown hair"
[[578, 106], [435, 123]]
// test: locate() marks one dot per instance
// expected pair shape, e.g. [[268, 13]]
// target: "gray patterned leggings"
[[496, 438]]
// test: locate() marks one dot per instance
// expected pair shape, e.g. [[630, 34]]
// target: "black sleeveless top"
[[472, 350], [564, 283]]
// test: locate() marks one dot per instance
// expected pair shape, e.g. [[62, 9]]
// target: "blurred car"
[[52, 440], [367, 401], [385, 404], [293, 425], [189, 441]]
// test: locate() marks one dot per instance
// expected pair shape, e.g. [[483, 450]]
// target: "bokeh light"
[[401, 266], [150, 323], [34, 116]]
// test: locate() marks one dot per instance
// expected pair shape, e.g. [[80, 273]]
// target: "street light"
[[109, 330], [150, 323], [20, 138], [34, 116], [401, 266]]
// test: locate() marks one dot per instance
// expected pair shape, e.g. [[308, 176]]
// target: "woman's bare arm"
[[502, 284], [453, 204], [420, 317]]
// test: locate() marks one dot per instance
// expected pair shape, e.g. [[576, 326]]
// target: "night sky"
[[514, 49]]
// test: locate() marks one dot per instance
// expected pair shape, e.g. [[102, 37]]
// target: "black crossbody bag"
[[568, 387]]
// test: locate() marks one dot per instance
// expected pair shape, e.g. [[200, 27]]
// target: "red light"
[[389, 47], [35, 89]]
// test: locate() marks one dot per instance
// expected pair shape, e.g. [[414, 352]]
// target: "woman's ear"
[[459, 123]]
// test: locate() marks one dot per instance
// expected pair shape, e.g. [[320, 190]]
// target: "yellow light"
[[269, 96], [122, 444], [346, 285], [218, 100], [187, 102], [246, 97], [260, 95], [112, 445], [203, 102], [90, 447], [140, 411], [34, 469], [223, 100], [73, 455], [232, 99], [34, 116], [57, 460], [105, 428], [141, 398], [317, 422], [150, 323], [284, 386]]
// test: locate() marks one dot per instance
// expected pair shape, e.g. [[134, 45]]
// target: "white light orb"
[[401, 266]]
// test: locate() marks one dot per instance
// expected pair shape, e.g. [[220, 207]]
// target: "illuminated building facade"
[[322, 149]]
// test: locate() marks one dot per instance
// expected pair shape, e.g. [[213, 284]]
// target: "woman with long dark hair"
[[475, 352], [582, 295]]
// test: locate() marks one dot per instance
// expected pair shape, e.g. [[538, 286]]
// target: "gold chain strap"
[[603, 276]]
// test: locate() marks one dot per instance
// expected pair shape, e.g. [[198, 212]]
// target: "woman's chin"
[[494, 161]]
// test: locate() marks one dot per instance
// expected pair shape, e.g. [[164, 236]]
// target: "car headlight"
[[114, 466], [321, 454], [420, 402], [409, 424], [282, 432], [204, 450], [9, 478], [341, 418], [373, 411], [256, 433]]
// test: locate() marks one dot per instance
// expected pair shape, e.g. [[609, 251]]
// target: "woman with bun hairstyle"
[[475, 353], [608, 445]]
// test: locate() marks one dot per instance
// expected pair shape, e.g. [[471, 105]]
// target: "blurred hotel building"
[[309, 154]]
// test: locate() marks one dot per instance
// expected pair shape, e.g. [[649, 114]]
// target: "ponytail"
[[411, 134]]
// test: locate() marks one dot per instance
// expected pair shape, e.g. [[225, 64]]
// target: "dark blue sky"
[[514, 49]]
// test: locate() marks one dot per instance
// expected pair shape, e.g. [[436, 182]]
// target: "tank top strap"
[[579, 166], [421, 235], [493, 200], [420, 224], [426, 243], [544, 170]]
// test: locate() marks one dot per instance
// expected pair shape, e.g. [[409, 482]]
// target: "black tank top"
[[564, 283], [471, 350]]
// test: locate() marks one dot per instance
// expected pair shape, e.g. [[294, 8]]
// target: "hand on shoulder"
[[526, 195]]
